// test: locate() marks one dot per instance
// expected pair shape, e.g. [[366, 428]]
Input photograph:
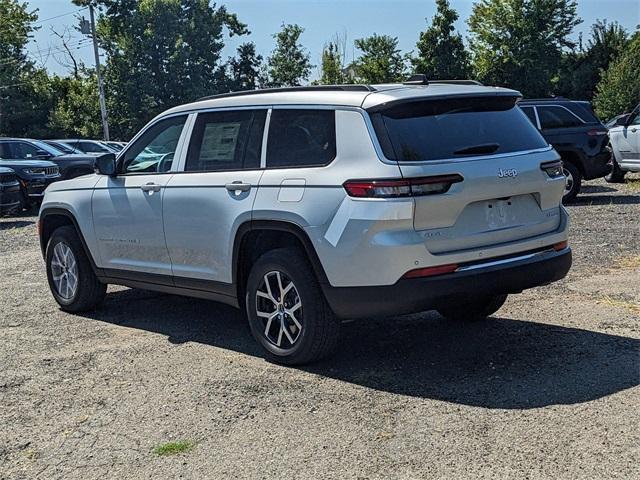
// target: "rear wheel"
[[573, 182], [472, 311], [71, 279], [287, 311]]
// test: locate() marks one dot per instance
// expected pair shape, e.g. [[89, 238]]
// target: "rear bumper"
[[597, 166], [510, 275]]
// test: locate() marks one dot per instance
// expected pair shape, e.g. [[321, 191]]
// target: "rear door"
[[212, 195], [504, 195]]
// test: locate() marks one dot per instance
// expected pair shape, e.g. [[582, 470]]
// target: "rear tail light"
[[560, 246], [405, 187], [431, 271], [553, 168], [596, 132]]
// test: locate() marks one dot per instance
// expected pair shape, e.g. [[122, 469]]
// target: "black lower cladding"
[[9, 197], [421, 294]]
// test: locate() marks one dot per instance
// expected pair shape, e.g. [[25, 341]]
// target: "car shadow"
[[596, 189], [587, 200], [10, 223], [501, 363]]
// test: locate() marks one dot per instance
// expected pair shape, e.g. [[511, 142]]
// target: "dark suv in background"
[[577, 135], [70, 165]]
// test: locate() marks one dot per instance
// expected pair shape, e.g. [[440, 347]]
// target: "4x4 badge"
[[510, 172]]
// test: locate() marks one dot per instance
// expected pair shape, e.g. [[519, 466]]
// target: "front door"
[[211, 195], [127, 208]]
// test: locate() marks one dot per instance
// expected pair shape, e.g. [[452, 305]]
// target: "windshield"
[[48, 148], [454, 128]]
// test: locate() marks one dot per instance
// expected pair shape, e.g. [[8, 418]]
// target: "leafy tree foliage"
[[289, 63], [441, 51], [519, 43], [619, 90], [77, 113], [160, 53], [245, 70], [331, 65], [581, 70], [381, 60]]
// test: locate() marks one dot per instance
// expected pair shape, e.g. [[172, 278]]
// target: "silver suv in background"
[[624, 136], [309, 205]]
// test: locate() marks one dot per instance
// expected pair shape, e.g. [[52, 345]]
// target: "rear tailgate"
[[505, 195]]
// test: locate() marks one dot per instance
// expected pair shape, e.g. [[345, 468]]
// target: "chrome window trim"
[[504, 261], [265, 138]]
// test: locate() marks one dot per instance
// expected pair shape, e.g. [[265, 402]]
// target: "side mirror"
[[106, 164], [42, 155], [622, 120]]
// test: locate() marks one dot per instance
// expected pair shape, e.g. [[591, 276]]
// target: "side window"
[[529, 112], [24, 150], [230, 140], [5, 150], [89, 147], [556, 117], [154, 150], [635, 116], [301, 138]]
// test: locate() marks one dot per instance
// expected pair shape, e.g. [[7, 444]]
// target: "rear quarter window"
[[301, 138], [454, 128]]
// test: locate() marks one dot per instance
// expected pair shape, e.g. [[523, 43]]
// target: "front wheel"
[[617, 174], [471, 311], [72, 281], [287, 311], [573, 182]]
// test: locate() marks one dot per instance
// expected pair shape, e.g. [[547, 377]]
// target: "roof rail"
[[417, 79], [313, 88], [459, 82]]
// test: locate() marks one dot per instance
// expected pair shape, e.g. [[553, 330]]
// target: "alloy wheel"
[[568, 183], [279, 306], [64, 271]]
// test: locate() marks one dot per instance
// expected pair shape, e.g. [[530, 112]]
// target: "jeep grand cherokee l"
[[309, 205]]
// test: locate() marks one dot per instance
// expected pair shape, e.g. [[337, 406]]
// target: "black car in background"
[[580, 138], [63, 147], [9, 191], [70, 165], [34, 176]]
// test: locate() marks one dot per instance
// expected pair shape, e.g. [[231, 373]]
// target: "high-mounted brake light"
[[404, 187], [553, 168]]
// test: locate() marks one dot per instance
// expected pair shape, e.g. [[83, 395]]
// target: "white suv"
[[309, 205]]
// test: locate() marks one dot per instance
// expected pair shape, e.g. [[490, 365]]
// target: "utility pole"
[[103, 105]]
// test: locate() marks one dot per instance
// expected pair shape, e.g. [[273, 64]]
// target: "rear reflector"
[[404, 187], [431, 271], [560, 246], [596, 133]]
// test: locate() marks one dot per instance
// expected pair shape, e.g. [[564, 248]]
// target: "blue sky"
[[320, 18]]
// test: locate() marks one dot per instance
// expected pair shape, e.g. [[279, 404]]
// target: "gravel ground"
[[546, 389]]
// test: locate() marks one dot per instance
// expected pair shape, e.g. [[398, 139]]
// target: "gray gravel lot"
[[546, 389]]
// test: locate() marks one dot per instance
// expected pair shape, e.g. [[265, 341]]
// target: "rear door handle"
[[150, 187], [238, 185]]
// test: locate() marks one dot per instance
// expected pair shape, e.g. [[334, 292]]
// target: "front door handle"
[[150, 187], [238, 185], [633, 129]]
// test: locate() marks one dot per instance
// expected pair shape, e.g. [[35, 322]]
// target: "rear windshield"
[[454, 128]]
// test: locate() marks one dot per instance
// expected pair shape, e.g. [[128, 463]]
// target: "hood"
[[21, 164], [6, 170], [76, 157]]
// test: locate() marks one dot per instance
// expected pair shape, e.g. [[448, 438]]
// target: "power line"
[[58, 16], [75, 45]]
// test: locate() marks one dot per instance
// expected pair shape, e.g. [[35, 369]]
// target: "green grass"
[[174, 448]]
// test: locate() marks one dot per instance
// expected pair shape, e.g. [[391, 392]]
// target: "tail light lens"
[[431, 271], [553, 169], [560, 246], [405, 187], [596, 133]]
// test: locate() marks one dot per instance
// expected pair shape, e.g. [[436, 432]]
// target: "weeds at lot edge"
[[632, 261], [632, 307], [631, 185], [174, 448]]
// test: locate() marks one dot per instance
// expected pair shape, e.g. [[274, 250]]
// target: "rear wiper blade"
[[484, 148]]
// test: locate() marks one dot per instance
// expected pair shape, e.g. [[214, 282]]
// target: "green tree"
[[245, 70], [289, 63], [331, 65], [619, 90], [25, 93], [381, 60], [160, 53], [441, 52], [519, 43], [77, 112], [581, 69]]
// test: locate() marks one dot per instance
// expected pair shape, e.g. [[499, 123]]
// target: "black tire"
[[472, 311], [319, 330], [89, 291], [617, 174], [25, 202], [573, 173]]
